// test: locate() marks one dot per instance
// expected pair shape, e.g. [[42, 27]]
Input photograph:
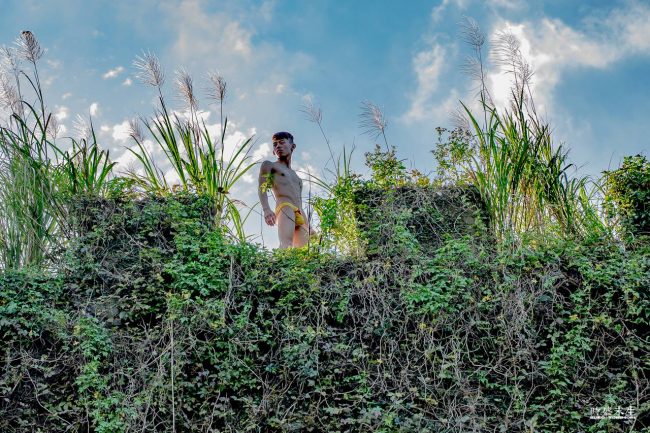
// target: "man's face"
[[282, 147]]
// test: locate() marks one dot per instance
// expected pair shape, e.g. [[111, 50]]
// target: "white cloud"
[[506, 4], [53, 63], [66, 95], [127, 82], [552, 47], [266, 10], [194, 24], [549, 45], [61, 113], [263, 151], [438, 11], [113, 72], [631, 25], [428, 66], [121, 131], [94, 109], [248, 65]]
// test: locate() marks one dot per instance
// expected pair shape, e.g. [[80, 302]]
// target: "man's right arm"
[[265, 172]]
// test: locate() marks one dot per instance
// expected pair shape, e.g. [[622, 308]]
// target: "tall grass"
[[196, 158], [36, 176], [335, 208], [524, 178]]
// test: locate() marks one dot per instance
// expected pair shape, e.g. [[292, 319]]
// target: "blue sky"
[[591, 62]]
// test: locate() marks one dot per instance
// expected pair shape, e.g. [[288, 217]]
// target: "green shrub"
[[628, 194], [456, 335]]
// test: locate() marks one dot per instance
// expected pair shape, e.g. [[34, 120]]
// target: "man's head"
[[283, 143]]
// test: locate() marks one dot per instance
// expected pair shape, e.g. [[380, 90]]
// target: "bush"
[[455, 335], [628, 194]]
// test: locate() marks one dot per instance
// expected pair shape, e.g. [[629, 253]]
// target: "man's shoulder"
[[267, 165]]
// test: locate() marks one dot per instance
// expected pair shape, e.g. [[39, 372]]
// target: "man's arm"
[[265, 173]]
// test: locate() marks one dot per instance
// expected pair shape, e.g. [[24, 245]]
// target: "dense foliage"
[[628, 195], [155, 322]]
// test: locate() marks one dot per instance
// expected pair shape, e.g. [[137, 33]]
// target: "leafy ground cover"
[[156, 322]]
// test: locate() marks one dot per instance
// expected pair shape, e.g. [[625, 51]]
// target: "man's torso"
[[287, 186]]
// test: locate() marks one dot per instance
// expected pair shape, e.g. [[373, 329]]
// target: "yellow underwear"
[[299, 218]]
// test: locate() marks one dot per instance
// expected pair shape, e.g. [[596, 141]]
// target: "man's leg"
[[302, 234], [286, 220]]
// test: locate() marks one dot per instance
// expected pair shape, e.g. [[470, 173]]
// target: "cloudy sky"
[[591, 62]]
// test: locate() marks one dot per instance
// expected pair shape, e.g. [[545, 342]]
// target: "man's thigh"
[[286, 226], [301, 235]]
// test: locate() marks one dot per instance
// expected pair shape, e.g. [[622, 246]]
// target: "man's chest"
[[286, 176]]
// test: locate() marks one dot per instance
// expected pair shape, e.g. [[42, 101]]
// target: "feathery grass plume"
[[474, 66], [28, 47], [472, 33], [149, 70], [217, 91], [185, 88], [9, 60], [459, 119], [9, 97], [315, 114], [507, 53], [53, 128], [373, 121], [81, 127], [135, 130]]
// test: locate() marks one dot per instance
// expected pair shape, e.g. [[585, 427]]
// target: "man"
[[293, 228]]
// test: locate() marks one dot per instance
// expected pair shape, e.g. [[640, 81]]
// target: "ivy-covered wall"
[[154, 323]]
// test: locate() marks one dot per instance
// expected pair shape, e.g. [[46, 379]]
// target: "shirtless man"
[[293, 228]]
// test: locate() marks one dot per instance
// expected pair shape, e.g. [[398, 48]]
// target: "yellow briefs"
[[300, 220]]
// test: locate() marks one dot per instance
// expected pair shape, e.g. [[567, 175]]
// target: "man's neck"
[[285, 161]]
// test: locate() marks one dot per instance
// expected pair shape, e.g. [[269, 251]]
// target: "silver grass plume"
[[313, 113], [459, 119], [218, 89], [9, 60], [149, 69], [82, 128], [472, 33], [9, 97], [186, 89], [53, 128], [507, 53], [372, 121], [474, 66], [28, 47], [135, 131]]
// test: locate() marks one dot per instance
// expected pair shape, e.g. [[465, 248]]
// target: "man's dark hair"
[[281, 135]]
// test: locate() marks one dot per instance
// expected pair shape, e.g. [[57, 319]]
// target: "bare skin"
[[287, 187]]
